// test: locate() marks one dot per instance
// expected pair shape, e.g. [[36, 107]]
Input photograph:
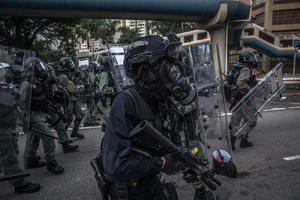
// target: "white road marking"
[[295, 107], [291, 158], [274, 109], [267, 110]]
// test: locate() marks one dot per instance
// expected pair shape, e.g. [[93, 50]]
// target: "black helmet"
[[249, 58], [149, 49], [153, 63], [51, 74], [94, 66], [66, 64], [105, 62], [36, 66]]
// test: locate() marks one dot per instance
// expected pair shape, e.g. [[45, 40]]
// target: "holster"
[[108, 190]]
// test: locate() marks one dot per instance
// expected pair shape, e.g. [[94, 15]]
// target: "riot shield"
[[117, 55], [90, 91], [8, 118], [210, 97], [15, 58], [25, 92], [254, 102], [205, 83]]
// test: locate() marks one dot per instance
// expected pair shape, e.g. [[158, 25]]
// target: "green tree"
[[48, 37], [165, 27], [52, 38], [103, 29], [128, 35]]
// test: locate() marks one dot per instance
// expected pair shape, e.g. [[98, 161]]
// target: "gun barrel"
[[157, 136], [14, 176]]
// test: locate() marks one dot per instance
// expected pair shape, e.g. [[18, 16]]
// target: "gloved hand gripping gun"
[[194, 167]]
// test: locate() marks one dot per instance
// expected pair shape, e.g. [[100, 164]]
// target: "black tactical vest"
[[39, 98], [234, 74], [146, 112]]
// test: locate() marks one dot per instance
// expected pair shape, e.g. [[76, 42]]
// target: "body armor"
[[161, 120], [39, 99]]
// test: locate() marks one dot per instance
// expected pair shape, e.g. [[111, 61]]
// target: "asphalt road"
[[264, 174]]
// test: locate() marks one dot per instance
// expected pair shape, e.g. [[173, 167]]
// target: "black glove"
[[173, 164]]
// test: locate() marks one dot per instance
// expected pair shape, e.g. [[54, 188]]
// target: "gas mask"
[[175, 82]]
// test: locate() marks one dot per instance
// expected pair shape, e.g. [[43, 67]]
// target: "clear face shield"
[[41, 71]]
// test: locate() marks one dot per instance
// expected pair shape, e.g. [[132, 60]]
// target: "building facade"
[[143, 26]]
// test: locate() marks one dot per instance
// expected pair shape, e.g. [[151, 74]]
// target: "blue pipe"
[[184, 10], [270, 50]]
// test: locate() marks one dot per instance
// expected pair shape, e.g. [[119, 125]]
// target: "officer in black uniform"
[[152, 63], [240, 81]]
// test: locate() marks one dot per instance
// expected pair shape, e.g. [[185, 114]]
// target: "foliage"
[[50, 38], [165, 27], [103, 29], [128, 35]]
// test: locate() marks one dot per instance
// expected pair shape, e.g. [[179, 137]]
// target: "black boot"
[[27, 188], [35, 163], [245, 143], [232, 139], [70, 148], [54, 167], [75, 134]]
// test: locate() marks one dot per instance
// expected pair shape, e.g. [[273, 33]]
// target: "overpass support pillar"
[[218, 38]]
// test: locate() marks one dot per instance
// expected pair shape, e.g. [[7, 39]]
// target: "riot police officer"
[[90, 119], [104, 88], [39, 100], [56, 119], [241, 80], [8, 142], [65, 68], [150, 62]]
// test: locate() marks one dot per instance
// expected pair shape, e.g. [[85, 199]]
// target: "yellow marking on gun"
[[195, 150]]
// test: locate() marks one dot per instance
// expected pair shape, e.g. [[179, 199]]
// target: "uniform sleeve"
[[104, 84], [243, 79], [120, 163]]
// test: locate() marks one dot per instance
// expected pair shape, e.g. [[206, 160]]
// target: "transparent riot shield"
[[210, 97], [205, 83], [254, 102], [90, 92], [117, 55], [8, 118], [25, 93]]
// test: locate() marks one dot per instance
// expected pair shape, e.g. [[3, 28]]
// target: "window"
[[188, 38]]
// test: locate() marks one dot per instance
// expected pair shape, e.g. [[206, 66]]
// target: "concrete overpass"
[[219, 17]]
